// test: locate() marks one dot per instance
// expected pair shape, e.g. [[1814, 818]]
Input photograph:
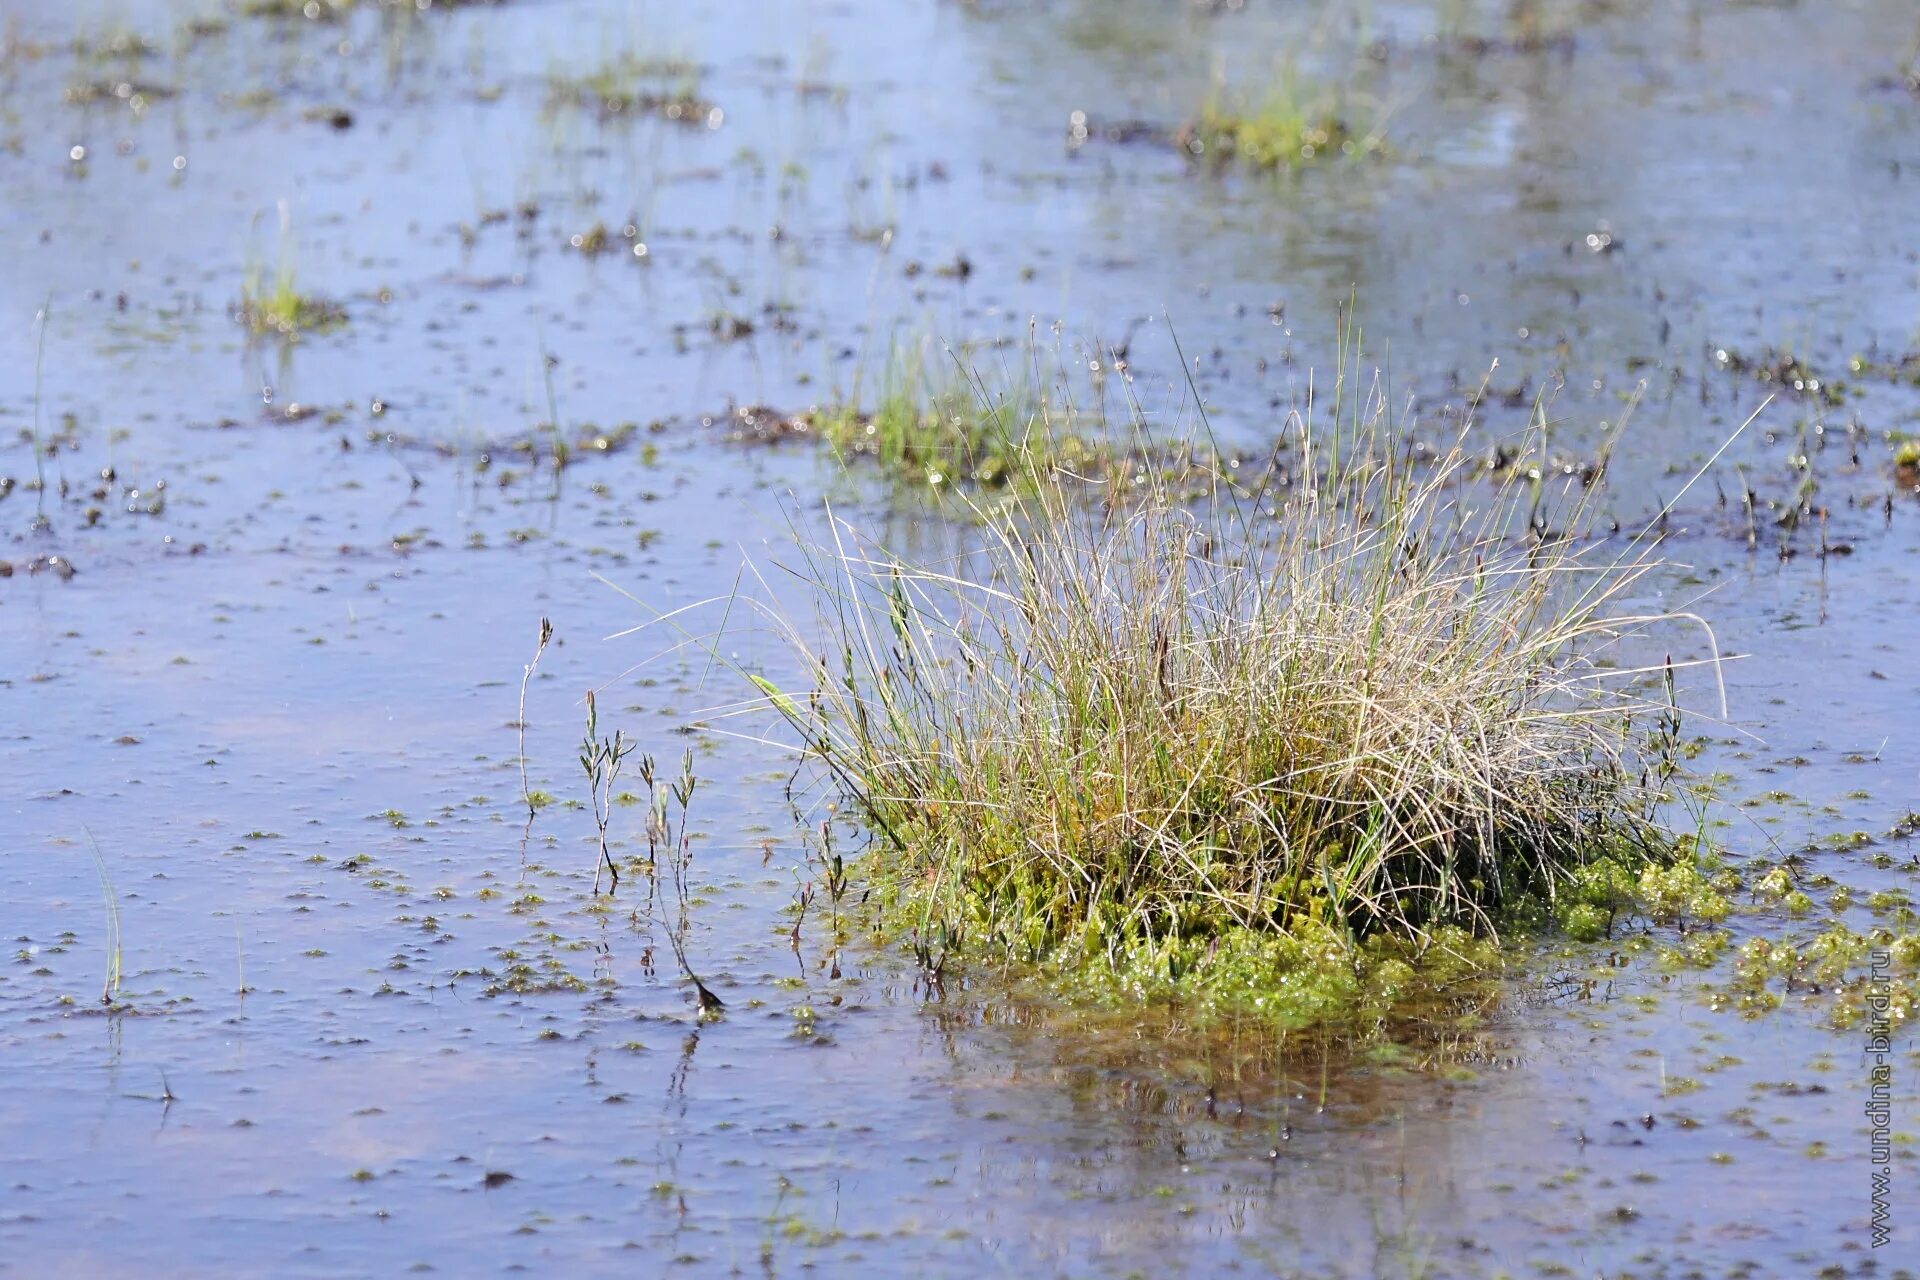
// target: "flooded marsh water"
[[266, 600]]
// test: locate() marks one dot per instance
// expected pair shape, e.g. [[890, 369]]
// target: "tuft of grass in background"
[[1290, 126], [936, 420], [277, 305], [1296, 750], [310, 10], [627, 85], [931, 421], [338, 10]]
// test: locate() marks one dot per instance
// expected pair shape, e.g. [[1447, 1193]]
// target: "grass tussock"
[[628, 86], [942, 423], [1289, 127], [339, 10], [935, 421], [277, 306], [1299, 750]]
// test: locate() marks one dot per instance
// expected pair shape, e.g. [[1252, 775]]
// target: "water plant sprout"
[[601, 760], [39, 442], [668, 806], [526, 678], [110, 987]]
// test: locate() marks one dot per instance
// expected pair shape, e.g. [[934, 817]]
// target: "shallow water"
[[369, 1019]]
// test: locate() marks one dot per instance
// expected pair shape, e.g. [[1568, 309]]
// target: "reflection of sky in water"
[[1494, 143], [235, 724]]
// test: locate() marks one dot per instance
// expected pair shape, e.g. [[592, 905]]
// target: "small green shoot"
[[110, 989], [601, 760]]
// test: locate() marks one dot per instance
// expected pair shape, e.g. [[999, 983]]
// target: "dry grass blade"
[[110, 987], [526, 678]]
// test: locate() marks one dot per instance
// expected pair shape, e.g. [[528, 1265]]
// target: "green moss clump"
[[1774, 885], [1830, 971], [1594, 898], [1593, 902], [1681, 892], [1905, 950], [1315, 974]]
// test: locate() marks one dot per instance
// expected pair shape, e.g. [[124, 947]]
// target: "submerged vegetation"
[[1847, 976], [1279, 750], [1602, 895]]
